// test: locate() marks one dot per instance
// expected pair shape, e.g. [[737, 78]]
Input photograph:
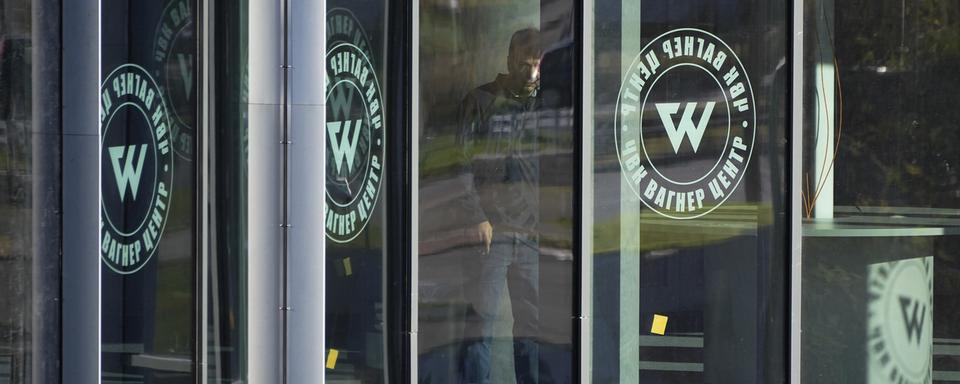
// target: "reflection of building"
[[274, 191]]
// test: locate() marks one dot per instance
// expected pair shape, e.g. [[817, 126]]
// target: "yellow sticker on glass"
[[659, 326], [332, 358]]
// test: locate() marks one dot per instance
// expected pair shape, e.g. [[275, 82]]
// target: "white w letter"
[[130, 174], [686, 128], [344, 147]]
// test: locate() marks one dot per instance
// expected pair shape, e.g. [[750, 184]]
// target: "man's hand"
[[485, 231]]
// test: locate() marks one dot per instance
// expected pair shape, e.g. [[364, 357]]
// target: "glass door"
[[688, 214], [495, 170], [148, 228], [356, 130]]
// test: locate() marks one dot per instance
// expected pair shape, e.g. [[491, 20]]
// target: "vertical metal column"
[[46, 193], [795, 188], [305, 347], [264, 234], [80, 196], [207, 103], [415, 191], [586, 192]]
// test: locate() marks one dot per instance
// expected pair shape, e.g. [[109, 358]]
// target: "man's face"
[[524, 72]]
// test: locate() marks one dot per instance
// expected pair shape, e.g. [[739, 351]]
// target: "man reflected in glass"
[[500, 197]]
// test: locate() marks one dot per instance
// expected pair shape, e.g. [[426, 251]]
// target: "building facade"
[[462, 191]]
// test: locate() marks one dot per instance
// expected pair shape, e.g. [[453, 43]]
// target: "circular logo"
[[900, 326], [355, 142], [173, 55], [685, 123], [136, 167]]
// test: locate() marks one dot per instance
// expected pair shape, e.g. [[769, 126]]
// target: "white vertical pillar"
[[265, 204], [824, 77], [796, 179], [306, 194]]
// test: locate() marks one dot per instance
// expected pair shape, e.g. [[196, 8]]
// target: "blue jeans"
[[513, 264]]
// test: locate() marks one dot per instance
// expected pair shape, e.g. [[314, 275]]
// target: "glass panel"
[[29, 193], [355, 209], [227, 321], [689, 214], [881, 272], [148, 112], [496, 197]]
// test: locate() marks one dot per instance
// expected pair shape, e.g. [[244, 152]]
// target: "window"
[[29, 194], [880, 192], [688, 215], [148, 115], [357, 125]]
